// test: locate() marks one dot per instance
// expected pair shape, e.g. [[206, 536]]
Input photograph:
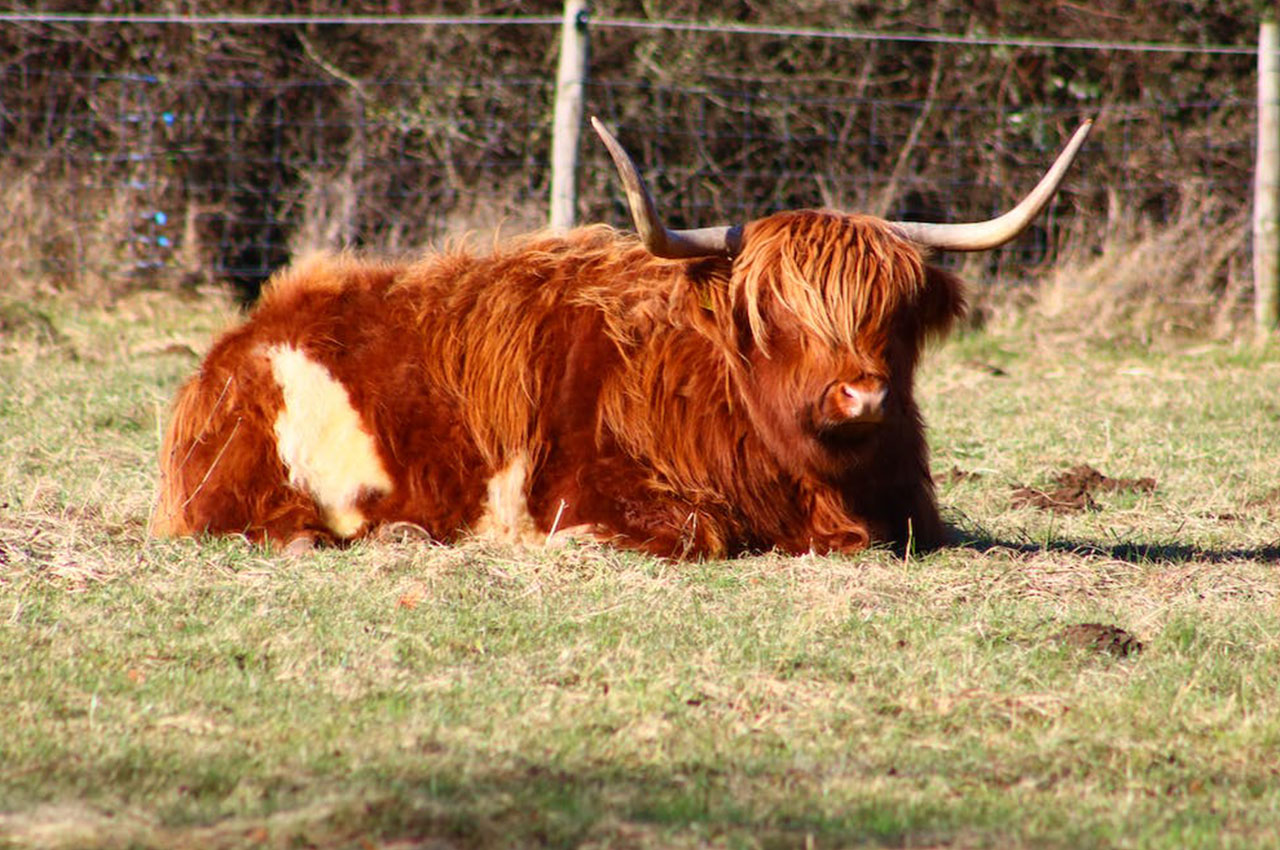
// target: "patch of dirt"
[[1269, 500], [1060, 501], [990, 368], [1087, 478], [1099, 638], [955, 475], [1073, 490]]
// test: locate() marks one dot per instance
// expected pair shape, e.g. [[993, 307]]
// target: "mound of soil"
[[1073, 490], [1060, 501], [1269, 500], [955, 475], [1086, 477], [1099, 638]]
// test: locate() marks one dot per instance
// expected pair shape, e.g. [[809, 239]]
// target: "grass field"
[[401, 694]]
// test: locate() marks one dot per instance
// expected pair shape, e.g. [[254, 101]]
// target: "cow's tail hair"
[[190, 418]]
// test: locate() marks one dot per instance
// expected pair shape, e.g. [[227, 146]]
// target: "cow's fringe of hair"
[[802, 262]]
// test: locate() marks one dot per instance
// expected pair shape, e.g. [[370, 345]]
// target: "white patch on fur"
[[506, 516], [323, 441], [506, 512]]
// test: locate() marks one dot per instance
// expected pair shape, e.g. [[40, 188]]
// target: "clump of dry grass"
[[50, 246], [1187, 275]]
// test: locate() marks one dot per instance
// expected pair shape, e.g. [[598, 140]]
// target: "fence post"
[[571, 78], [1266, 184]]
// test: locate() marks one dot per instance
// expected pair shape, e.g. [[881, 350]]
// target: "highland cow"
[[689, 393]]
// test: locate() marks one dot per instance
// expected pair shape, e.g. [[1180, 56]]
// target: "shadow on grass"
[[525, 803], [1133, 553], [687, 805]]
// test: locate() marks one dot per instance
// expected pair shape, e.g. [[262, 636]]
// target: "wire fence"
[[143, 174]]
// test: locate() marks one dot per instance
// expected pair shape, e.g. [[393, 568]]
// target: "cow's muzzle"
[[847, 403]]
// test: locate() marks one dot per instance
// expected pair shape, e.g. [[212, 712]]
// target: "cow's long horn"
[[983, 235], [661, 242]]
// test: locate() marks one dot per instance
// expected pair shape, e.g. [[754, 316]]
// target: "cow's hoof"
[[301, 544]]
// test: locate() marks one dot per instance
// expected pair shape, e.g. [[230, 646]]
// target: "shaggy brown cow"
[[697, 393]]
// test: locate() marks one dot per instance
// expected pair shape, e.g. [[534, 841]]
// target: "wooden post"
[[571, 78], [1266, 184]]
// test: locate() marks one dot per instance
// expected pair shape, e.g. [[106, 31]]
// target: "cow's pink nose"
[[859, 404]]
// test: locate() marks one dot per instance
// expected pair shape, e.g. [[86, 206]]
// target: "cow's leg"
[[826, 525], [614, 500], [903, 513], [922, 528]]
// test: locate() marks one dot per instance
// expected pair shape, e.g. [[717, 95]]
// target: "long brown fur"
[[670, 406]]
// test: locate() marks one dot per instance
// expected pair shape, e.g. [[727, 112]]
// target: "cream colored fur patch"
[[506, 512], [323, 441]]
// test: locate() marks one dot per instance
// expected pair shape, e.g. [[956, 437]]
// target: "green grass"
[[208, 694]]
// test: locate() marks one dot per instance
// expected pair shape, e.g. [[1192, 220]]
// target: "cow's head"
[[831, 309]]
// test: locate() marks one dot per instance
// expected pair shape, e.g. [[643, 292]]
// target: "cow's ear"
[[942, 302]]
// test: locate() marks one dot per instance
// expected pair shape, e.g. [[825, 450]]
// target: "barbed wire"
[[951, 39], [931, 38], [274, 20]]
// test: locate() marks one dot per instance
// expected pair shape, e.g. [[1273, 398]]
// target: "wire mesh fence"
[[135, 173]]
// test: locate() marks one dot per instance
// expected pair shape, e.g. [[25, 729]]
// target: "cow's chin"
[[836, 450], [849, 435]]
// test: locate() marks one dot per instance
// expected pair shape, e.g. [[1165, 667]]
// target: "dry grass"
[[1145, 280], [83, 242], [46, 247]]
